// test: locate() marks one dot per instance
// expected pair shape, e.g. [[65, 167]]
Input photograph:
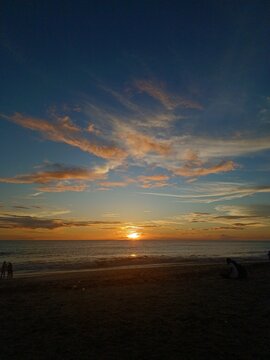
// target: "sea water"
[[36, 256]]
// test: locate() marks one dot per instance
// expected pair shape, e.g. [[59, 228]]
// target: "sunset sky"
[[139, 117]]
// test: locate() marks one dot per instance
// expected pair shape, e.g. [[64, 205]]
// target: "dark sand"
[[185, 312]]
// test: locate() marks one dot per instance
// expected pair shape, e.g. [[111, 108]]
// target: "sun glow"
[[133, 236]]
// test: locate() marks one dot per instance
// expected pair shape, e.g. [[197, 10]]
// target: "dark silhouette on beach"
[[3, 270], [235, 271], [9, 270]]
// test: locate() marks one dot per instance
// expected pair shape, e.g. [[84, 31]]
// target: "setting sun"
[[133, 236]]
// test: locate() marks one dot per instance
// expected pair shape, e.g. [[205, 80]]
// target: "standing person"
[[3, 270], [269, 254], [9, 270]]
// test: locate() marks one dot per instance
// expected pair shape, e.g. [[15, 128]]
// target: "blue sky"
[[148, 117]]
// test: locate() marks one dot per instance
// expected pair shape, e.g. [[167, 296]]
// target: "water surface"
[[68, 255]]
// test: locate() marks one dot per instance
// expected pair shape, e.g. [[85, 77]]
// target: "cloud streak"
[[64, 187], [64, 131], [59, 178], [153, 181], [225, 218], [139, 144], [144, 181], [169, 101], [224, 193], [214, 147], [188, 171], [9, 221], [58, 172]]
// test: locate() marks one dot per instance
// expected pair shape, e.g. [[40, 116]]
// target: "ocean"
[[44, 256]]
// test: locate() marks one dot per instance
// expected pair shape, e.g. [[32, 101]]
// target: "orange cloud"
[[63, 187], [63, 130], [139, 144], [159, 177], [66, 123], [158, 92], [150, 181], [192, 157], [188, 171], [150, 185], [108, 184], [59, 173], [59, 178], [153, 181]]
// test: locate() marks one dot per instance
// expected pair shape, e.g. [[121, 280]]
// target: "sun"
[[133, 236]]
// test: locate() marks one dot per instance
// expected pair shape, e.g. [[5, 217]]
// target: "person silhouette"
[[235, 271], [269, 254], [9, 270], [3, 270]]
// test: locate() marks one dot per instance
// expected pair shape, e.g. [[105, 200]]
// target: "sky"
[[138, 119]]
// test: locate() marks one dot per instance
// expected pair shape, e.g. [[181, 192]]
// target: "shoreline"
[[169, 264]]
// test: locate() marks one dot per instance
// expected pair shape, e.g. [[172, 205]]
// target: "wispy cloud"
[[189, 171], [59, 178], [153, 181], [36, 194], [111, 184], [215, 147], [157, 91], [57, 172], [64, 131], [163, 120], [35, 211], [215, 192], [224, 218], [139, 144], [64, 187], [122, 99], [240, 216], [144, 181], [254, 210], [20, 207], [151, 178], [9, 221], [157, 184]]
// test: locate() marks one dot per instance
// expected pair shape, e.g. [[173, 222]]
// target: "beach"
[[161, 312]]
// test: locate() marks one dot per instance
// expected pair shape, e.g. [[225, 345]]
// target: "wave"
[[6, 253]]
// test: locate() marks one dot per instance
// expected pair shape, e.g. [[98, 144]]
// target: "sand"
[[172, 312]]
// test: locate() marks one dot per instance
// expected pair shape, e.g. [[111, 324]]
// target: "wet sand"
[[171, 312]]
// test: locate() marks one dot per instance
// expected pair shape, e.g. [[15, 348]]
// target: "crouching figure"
[[235, 271]]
